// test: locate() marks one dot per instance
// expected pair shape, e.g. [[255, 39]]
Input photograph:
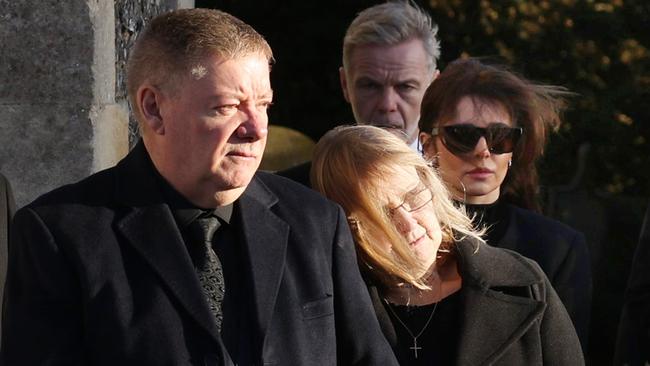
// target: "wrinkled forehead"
[[407, 57]]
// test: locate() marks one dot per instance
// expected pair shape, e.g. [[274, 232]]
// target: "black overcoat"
[[560, 251], [562, 254], [509, 312], [633, 340], [99, 274], [6, 213]]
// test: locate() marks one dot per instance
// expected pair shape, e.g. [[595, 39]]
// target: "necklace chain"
[[415, 347]]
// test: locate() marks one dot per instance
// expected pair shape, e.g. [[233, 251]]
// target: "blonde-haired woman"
[[440, 294]]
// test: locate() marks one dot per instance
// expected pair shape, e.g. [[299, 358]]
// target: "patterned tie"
[[208, 266]]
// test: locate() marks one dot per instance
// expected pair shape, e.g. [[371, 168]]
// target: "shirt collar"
[[185, 211]]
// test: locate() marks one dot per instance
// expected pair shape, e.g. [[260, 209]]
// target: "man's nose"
[[388, 100], [255, 126]]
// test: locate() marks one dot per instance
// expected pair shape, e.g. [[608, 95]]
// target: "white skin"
[[385, 85], [420, 228], [207, 137], [422, 231], [480, 172]]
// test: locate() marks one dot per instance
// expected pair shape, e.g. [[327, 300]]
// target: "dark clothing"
[[298, 173], [6, 213], [438, 341], [633, 341], [99, 274], [508, 312], [236, 303], [560, 251]]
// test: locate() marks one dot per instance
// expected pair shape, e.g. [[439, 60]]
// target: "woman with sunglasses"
[[484, 128], [442, 297]]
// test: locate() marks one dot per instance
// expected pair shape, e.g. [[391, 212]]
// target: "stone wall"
[[63, 111]]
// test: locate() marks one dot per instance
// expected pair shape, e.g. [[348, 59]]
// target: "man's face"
[[385, 85], [215, 127]]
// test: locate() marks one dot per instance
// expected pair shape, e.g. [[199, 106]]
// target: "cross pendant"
[[415, 347]]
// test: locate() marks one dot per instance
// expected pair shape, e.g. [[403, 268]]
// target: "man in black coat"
[[6, 213], [109, 271], [633, 342]]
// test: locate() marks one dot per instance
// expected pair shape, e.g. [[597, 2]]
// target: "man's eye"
[[227, 109], [264, 105], [368, 85], [406, 87]]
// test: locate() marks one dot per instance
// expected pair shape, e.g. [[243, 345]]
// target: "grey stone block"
[[47, 51], [63, 111], [43, 146]]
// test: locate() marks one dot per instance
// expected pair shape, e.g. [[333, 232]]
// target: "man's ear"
[[436, 73], [344, 84], [149, 98]]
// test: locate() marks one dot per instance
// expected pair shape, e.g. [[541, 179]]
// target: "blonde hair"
[[348, 166], [173, 43]]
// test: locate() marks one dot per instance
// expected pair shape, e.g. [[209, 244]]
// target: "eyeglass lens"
[[414, 201]]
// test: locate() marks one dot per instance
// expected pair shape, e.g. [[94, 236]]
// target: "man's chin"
[[236, 177], [397, 132]]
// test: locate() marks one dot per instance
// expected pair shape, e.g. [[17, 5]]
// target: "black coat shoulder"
[[298, 173]]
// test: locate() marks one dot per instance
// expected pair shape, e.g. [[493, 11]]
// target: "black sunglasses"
[[462, 138]]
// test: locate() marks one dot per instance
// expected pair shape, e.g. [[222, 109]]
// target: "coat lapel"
[[265, 236], [150, 228], [492, 320]]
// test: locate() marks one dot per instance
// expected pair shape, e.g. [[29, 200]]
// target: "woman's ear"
[[428, 146]]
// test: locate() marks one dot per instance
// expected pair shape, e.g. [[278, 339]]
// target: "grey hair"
[[389, 24]]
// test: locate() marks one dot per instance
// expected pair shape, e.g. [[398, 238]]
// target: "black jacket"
[[510, 314], [633, 341], [6, 213], [99, 274], [559, 250]]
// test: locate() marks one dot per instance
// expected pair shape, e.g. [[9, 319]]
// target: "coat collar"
[[150, 228], [491, 317], [265, 236], [498, 305]]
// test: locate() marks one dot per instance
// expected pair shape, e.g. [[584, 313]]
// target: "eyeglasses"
[[462, 138], [414, 200]]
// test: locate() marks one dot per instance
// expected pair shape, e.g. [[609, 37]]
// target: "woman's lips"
[[417, 241], [480, 173]]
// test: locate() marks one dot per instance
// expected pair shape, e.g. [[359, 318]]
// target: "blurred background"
[[596, 171]]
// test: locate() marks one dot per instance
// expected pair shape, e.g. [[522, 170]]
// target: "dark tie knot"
[[204, 227]]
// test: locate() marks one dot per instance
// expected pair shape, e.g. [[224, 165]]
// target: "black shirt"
[[438, 343], [494, 217], [236, 306]]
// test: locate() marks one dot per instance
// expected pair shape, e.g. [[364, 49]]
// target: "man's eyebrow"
[[365, 79], [266, 95], [409, 81]]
